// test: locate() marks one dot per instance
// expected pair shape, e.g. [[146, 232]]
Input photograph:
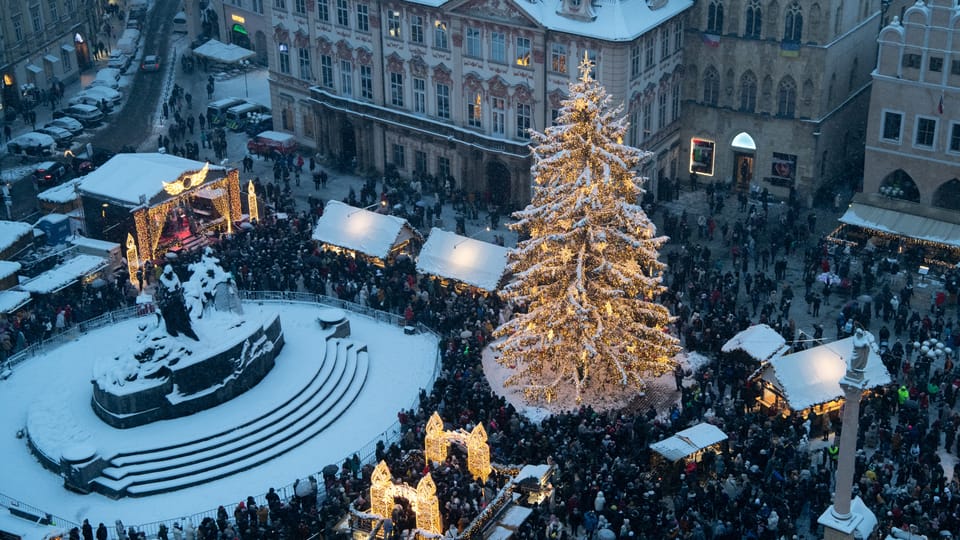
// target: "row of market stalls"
[[455, 259]]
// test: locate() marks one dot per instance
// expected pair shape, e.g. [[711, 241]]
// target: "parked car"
[[92, 100], [50, 173], [118, 60], [151, 62], [88, 115], [109, 73], [62, 136], [68, 123], [112, 96], [32, 144], [258, 123], [267, 142], [112, 84]]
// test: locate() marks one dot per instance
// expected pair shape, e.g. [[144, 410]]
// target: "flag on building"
[[711, 40], [790, 49], [940, 105]]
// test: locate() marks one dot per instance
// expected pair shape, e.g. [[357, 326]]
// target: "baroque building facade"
[[776, 94], [448, 90], [41, 43]]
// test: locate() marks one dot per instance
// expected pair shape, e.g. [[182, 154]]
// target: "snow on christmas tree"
[[588, 328]]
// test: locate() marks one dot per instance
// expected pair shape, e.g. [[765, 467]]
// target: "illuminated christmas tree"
[[587, 280]]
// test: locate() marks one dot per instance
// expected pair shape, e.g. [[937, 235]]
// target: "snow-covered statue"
[[170, 300], [862, 342], [210, 286]]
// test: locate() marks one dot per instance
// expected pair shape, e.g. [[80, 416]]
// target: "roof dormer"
[[582, 10]]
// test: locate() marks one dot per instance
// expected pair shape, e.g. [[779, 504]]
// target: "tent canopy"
[[464, 259], [360, 230], [903, 218], [226, 53], [689, 441], [759, 341]]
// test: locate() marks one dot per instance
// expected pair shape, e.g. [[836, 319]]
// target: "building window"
[[594, 62], [420, 162], [748, 92], [648, 53], [343, 13], [554, 116], [675, 113], [443, 101], [499, 115], [664, 43], [280, 4], [300, 7], [257, 6], [955, 67], [662, 110], [393, 24], [647, 120], [36, 19], [793, 25], [420, 95], [399, 157], [346, 78], [443, 167], [754, 20], [366, 82], [283, 55], [440, 35], [326, 70], [17, 28], [523, 120], [68, 4], [396, 89], [678, 37], [787, 98], [926, 132], [473, 46], [65, 58], [498, 47], [53, 10], [305, 72], [936, 64], [711, 87], [323, 10], [715, 17], [475, 112], [416, 29], [911, 60], [558, 58], [523, 51], [634, 131], [363, 18], [635, 61], [955, 138], [892, 126]]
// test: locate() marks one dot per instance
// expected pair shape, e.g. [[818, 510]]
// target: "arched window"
[[838, 21], [711, 86], [748, 92], [754, 20], [853, 75], [787, 98], [715, 17], [793, 26]]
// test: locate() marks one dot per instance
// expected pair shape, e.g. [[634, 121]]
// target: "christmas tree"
[[587, 280]]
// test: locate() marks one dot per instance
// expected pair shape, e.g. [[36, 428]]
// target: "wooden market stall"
[[687, 447], [463, 261], [359, 231]]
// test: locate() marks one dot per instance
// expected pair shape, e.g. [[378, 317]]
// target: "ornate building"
[[448, 89], [792, 118], [41, 43]]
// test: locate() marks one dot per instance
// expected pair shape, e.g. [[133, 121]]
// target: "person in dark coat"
[[86, 530], [102, 532]]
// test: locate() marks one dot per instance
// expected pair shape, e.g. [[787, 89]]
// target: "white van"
[[32, 144], [180, 23]]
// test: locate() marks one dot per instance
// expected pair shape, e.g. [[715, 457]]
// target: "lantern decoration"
[[133, 259], [428, 507], [381, 503], [435, 441], [478, 453], [254, 210], [423, 499]]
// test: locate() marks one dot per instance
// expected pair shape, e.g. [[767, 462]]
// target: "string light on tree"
[[588, 276]]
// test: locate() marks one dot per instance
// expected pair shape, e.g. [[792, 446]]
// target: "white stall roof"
[[8, 268], [11, 300], [360, 230], [227, 53], [62, 194], [901, 223], [759, 341], [689, 441], [125, 177], [811, 377], [60, 276], [464, 259], [12, 231], [532, 471], [92, 243]]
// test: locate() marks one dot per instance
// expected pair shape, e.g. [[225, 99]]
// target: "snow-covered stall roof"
[[227, 53], [689, 441], [125, 177], [11, 232], [464, 259], [759, 341], [361, 230], [64, 274], [11, 300], [811, 377], [62, 194], [8, 268], [891, 221], [92, 243]]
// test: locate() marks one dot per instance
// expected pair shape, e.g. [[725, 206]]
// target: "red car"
[[266, 142]]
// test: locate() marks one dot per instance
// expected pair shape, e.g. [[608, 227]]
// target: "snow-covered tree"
[[587, 280]]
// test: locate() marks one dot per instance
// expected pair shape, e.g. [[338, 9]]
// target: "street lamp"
[[245, 65]]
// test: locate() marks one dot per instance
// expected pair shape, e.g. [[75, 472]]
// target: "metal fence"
[[366, 453]]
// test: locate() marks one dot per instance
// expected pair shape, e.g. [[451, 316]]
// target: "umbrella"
[[330, 470], [829, 278], [466, 334], [172, 255], [97, 283], [865, 299]]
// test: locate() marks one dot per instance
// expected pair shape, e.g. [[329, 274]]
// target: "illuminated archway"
[[423, 499], [438, 440]]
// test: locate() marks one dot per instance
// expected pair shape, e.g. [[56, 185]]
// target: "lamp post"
[[245, 65]]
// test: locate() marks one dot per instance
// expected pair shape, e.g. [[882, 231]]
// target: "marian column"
[[841, 519]]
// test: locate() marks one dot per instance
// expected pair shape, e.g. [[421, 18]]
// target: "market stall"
[[684, 451], [361, 232], [83, 268], [463, 260], [758, 342], [15, 237], [223, 53]]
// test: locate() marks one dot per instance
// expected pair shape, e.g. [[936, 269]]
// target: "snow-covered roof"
[[11, 300], [464, 259], [616, 20], [218, 51], [361, 230], [13, 174], [759, 341], [12, 231], [890, 221], [533, 471], [125, 177], [62, 194], [92, 243], [64, 274], [811, 377], [8, 268], [689, 441]]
